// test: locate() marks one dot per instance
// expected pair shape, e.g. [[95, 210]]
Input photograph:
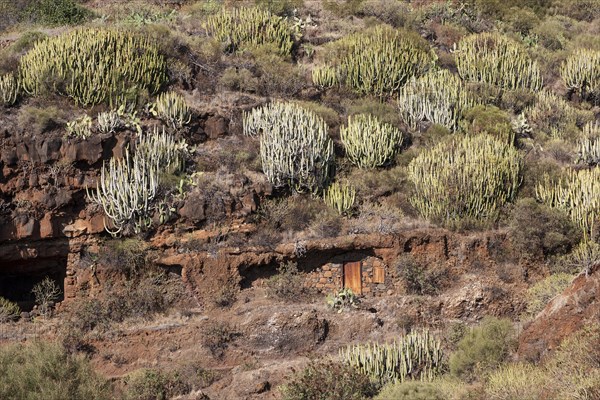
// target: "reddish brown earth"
[[577, 306]]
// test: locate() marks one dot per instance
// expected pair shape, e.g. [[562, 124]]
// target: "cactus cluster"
[[295, 148], [581, 73], [93, 65], [369, 143], [417, 355], [108, 121], [497, 60], [469, 177], [9, 90], [325, 76], [250, 26], [340, 197], [127, 186], [80, 127], [577, 193], [588, 147], [377, 61], [551, 114], [172, 108], [439, 97]]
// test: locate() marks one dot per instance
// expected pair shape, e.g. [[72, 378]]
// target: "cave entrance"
[[18, 278]]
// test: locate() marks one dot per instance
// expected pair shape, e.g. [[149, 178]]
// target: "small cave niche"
[[18, 278], [253, 273]]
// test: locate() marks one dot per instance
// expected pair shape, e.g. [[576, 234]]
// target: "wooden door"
[[353, 277]]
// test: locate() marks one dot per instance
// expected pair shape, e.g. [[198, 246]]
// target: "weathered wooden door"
[[353, 277]]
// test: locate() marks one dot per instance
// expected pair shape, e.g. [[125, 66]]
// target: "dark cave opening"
[[18, 278]]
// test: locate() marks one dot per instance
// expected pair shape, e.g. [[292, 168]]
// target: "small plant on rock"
[[343, 299], [46, 293], [80, 127], [172, 108], [9, 311]]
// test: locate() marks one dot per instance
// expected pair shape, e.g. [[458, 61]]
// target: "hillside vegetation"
[[306, 120]]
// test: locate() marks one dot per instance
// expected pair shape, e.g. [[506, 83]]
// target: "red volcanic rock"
[[565, 314]]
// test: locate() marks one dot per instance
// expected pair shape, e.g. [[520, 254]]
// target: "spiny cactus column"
[[469, 177], [588, 147], [369, 143], [340, 197], [581, 73], [241, 27], [9, 90], [93, 65], [497, 60], [295, 147], [172, 108], [127, 186], [577, 193], [377, 61], [417, 355], [439, 97]]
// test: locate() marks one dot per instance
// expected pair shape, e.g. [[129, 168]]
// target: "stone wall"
[[377, 278]]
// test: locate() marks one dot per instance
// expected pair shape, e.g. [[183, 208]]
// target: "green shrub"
[[127, 255], [368, 142], [419, 279], [277, 76], [545, 290], [497, 60], [57, 12], [217, 336], [417, 355], [328, 380], [240, 79], [385, 112], [582, 10], [280, 7], [110, 64], [288, 284], [295, 149], [294, 213], [151, 384], [573, 371], [465, 178], [377, 61], [242, 28], [488, 120], [516, 382], [45, 371], [330, 115], [482, 349], [538, 231], [39, 120], [581, 259], [9, 311], [411, 390], [554, 117]]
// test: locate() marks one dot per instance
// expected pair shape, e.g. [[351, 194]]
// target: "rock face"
[[578, 305]]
